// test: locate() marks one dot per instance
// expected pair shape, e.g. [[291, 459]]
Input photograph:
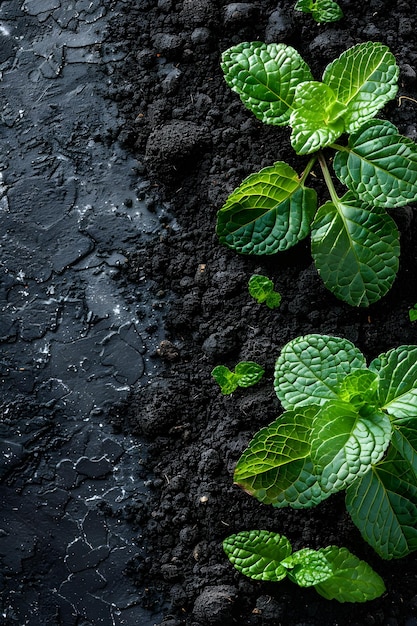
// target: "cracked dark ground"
[[120, 142]]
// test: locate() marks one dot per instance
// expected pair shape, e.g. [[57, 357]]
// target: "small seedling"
[[262, 289], [322, 11], [246, 374], [354, 241], [334, 572], [346, 426], [412, 313]]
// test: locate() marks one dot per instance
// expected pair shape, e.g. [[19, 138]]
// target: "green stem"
[[308, 169], [328, 179]]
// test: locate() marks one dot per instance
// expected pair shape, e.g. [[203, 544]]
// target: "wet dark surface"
[[75, 338]]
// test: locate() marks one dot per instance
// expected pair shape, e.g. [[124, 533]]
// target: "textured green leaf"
[[360, 389], [276, 467], [404, 440], [353, 580], [412, 313], [355, 250], [262, 289], [397, 371], [270, 211], [246, 374], [316, 120], [383, 505], [379, 165], [258, 554], [364, 78], [345, 444], [310, 369], [265, 77], [307, 567], [322, 11]]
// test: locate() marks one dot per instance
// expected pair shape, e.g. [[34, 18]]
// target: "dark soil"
[[195, 142]]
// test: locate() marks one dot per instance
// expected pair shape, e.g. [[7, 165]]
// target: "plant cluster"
[[335, 573], [346, 426], [321, 11], [354, 241]]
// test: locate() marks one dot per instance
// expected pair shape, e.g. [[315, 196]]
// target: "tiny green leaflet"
[[262, 289], [322, 11], [346, 426], [246, 374], [354, 241], [334, 572]]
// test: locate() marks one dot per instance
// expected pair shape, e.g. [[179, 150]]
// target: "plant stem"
[[308, 169], [323, 164]]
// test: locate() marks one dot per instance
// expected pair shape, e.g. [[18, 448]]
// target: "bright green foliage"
[[262, 289], [246, 374], [412, 313], [355, 243], [334, 572], [321, 10], [346, 427]]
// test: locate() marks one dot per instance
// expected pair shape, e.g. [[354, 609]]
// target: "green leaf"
[[276, 467], [270, 211], [344, 444], [412, 313], [246, 374], [316, 120], [383, 505], [379, 165], [258, 554], [322, 11], [265, 77], [262, 289], [355, 250], [404, 440], [353, 580], [360, 389], [364, 78], [397, 372], [307, 567], [310, 369]]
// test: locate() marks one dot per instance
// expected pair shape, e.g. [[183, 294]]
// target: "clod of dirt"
[[215, 604], [173, 146]]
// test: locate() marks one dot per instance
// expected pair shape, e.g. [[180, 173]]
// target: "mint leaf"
[[270, 211], [344, 444], [379, 165], [246, 374], [353, 580], [363, 78], [360, 389], [265, 77], [355, 249], [262, 289], [258, 554], [322, 11], [397, 390], [316, 119], [310, 369], [307, 567], [412, 313], [276, 468], [383, 505]]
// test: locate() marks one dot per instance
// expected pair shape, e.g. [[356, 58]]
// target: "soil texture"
[[195, 142]]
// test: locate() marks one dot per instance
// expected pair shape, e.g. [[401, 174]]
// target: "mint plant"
[[412, 313], [262, 289], [322, 11], [346, 426], [246, 374], [354, 241], [334, 572]]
